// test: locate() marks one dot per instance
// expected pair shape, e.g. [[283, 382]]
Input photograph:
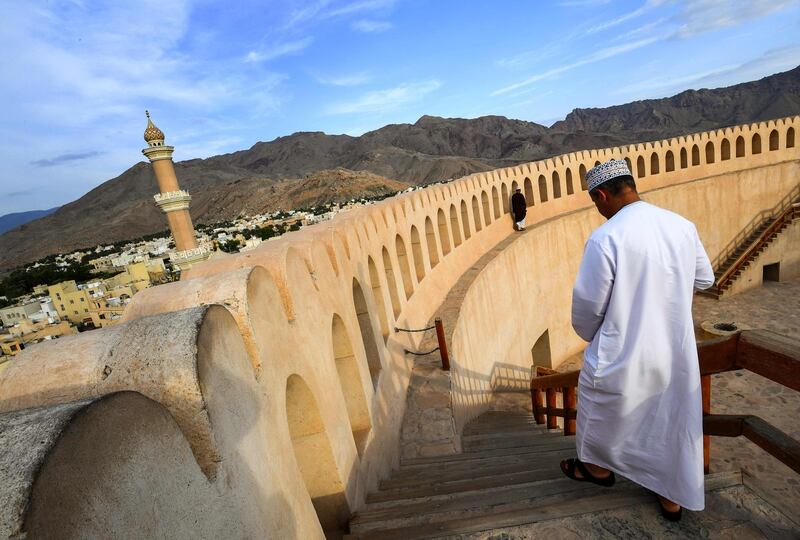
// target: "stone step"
[[435, 523], [510, 431], [473, 464], [484, 429], [560, 443], [465, 485], [510, 442], [427, 477]]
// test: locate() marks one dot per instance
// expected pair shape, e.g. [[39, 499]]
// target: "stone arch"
[[739, 146], [487, 211], [774, 140], [790, 138], [725, 150], [528, 191], [314, 455], [416, 250], [755, 144], [391, 282], [709, 152], [444, 235], [542, 188], [465, 220], [496, 203], [476, 214], [596, 163], [684, 158], [367, 335], [350, 383], [556, 185], [582, 176], [695, 155], [630, 167], [640, 172], [669, 158], [654, 165], [506, 198], [405, 268], [454, 226], [570, 185], [430, 239], [377, 294]]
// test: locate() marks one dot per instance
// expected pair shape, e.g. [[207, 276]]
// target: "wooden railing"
[[748, 231], [770, 355]]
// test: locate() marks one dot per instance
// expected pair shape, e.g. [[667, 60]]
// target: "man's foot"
[[586, 472], [670, 510]]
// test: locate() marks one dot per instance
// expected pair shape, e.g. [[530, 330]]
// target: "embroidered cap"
[[604, 172]]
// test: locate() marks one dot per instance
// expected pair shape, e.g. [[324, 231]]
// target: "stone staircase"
[[507, 484]]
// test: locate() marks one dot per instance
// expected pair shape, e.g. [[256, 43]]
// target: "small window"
[[72, 301], [82, 300]]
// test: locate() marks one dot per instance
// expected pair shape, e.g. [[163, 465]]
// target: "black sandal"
[[586, 476]]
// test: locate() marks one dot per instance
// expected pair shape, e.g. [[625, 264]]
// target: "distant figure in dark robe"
[[519, 208]]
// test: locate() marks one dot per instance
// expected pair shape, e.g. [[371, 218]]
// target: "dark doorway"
[[772, 272]]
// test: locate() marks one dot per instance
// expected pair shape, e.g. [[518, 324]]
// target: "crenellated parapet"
[[282, 366]]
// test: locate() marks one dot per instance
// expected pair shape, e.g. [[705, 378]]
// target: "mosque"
[[285, 392]]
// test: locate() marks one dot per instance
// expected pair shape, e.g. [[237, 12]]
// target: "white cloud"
[[323, 10], [370, 27], [602, 54], [387, 99], [278, 50], [700, 16], [644, 8], [583, 3], [354, 79]]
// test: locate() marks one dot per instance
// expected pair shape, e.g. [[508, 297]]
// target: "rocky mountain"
[[285, 172], [14, 220]]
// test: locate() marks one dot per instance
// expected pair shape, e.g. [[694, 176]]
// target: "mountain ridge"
[[428, 150]]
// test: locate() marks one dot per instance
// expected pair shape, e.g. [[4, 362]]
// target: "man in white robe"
[[639, 398]]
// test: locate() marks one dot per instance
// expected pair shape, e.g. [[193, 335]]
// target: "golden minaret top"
[[151, 133]]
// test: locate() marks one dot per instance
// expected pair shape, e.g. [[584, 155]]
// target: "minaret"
[[172, 200]]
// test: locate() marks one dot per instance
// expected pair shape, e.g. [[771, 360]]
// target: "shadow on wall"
[[472, 391]]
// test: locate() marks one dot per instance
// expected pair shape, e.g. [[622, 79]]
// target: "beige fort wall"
[[280, 367]]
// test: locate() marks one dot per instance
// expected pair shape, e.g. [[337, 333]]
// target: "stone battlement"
[[280, 372]]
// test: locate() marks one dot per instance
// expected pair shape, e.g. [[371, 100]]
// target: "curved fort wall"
[[281, 368]]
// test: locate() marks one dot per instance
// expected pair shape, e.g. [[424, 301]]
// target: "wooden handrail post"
[[705, 388], [442, 344], [570, 403], [552, 420], [538, 405]]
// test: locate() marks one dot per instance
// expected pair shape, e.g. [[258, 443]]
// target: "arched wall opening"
[[377, 294], [725, 150], [582, 176], [416, 250], [542, 188], [628, 162], [391, 282], [684, 158], [695, 156], [476, 214], [405, 268], [670, 161], [444, 234], [790, 138], [367, 335], [540, 352], [350, 383], [640, 172], [756, 143], [487, 214], [455, 228], [654, 168], [528, 192], [556, 186], [314, 456], [506, 198], [774, 140], [430, 239], [465, 220], [739, 146], [496, 203], [709, 152], [570, 186]]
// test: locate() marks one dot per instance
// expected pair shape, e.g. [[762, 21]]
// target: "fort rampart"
[[263, 394]]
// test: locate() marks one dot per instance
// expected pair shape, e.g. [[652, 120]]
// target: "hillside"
[[14, 220], [273, 173]]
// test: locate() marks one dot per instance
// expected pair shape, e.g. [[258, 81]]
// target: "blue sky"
[[220, 76]]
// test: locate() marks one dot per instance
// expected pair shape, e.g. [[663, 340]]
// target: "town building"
[[12, 315]]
